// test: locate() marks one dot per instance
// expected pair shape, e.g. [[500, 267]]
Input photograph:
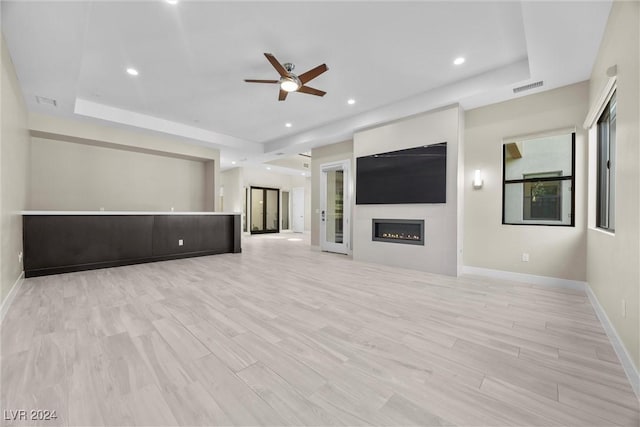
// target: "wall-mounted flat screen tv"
[[414, 175]]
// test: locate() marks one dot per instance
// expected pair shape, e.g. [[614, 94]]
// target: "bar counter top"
[[124, 213]]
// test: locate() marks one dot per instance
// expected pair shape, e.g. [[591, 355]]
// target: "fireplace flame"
[[400, 236]]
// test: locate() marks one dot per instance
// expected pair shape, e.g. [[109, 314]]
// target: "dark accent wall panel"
[[55, 241], [237, 234], [198, 233], [64, 243]]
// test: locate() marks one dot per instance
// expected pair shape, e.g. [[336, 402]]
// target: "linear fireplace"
[[407, 231]]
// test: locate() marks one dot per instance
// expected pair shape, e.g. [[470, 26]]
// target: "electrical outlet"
[[180, 242], [525, 257], [624, 308], [20, 258]]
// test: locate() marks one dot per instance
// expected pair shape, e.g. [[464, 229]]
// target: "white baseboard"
[[526, 278], [625, 359], [4, 308]]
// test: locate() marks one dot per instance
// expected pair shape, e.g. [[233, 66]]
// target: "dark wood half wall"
[[56, 244]]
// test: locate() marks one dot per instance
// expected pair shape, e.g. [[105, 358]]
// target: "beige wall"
[[260, 177], [440, 252], [558, 252], [231, 182], [613, 260], [14, 176], [72, 176], [92, 132], [319, 156]]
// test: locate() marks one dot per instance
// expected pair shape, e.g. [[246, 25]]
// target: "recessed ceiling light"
[[351, 101], [233, 162], [172, 1], [288, 125], [268, 168], [132, 71], [459, 61], [304, 174]]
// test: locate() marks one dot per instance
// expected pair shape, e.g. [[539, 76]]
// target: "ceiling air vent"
[[46, 101], [279, 154], [527, 87], [306, 165]]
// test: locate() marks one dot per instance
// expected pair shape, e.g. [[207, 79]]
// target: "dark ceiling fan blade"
[[311, 91], [282, 95], [260, 81], [313, 73], [276, 64]]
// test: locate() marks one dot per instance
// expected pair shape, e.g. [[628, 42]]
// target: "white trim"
[[345, 166], [623, 355], [536, 135], [526, 278], [601, 231], [88, 108], [601, 102], [4, 308], [625, 360]]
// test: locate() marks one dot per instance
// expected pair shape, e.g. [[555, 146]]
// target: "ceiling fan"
[[290, 82]]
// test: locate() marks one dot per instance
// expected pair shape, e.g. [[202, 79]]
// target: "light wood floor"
[[282, 335]]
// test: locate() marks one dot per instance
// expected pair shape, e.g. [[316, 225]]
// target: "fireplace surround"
[[406, 231]]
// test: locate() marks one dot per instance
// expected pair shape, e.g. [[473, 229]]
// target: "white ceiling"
[[395, 58]]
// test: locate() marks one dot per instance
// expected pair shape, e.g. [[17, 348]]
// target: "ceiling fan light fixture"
[[290, 84]]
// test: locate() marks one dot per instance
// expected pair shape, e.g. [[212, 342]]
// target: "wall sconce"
[[477, 179]]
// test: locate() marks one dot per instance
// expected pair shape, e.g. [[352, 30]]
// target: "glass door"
[[245, 208], [265, 210], [257, 210], [334, 204], [272, 211]]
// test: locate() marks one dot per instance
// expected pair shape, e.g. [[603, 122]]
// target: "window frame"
[[571, 178], [556, 174], [605, 117]]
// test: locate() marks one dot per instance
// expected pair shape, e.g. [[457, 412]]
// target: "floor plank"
[[284, 335]]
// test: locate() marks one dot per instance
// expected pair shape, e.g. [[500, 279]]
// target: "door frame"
[[264, 211], [286, 209], [345, 247], [297, 191]]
